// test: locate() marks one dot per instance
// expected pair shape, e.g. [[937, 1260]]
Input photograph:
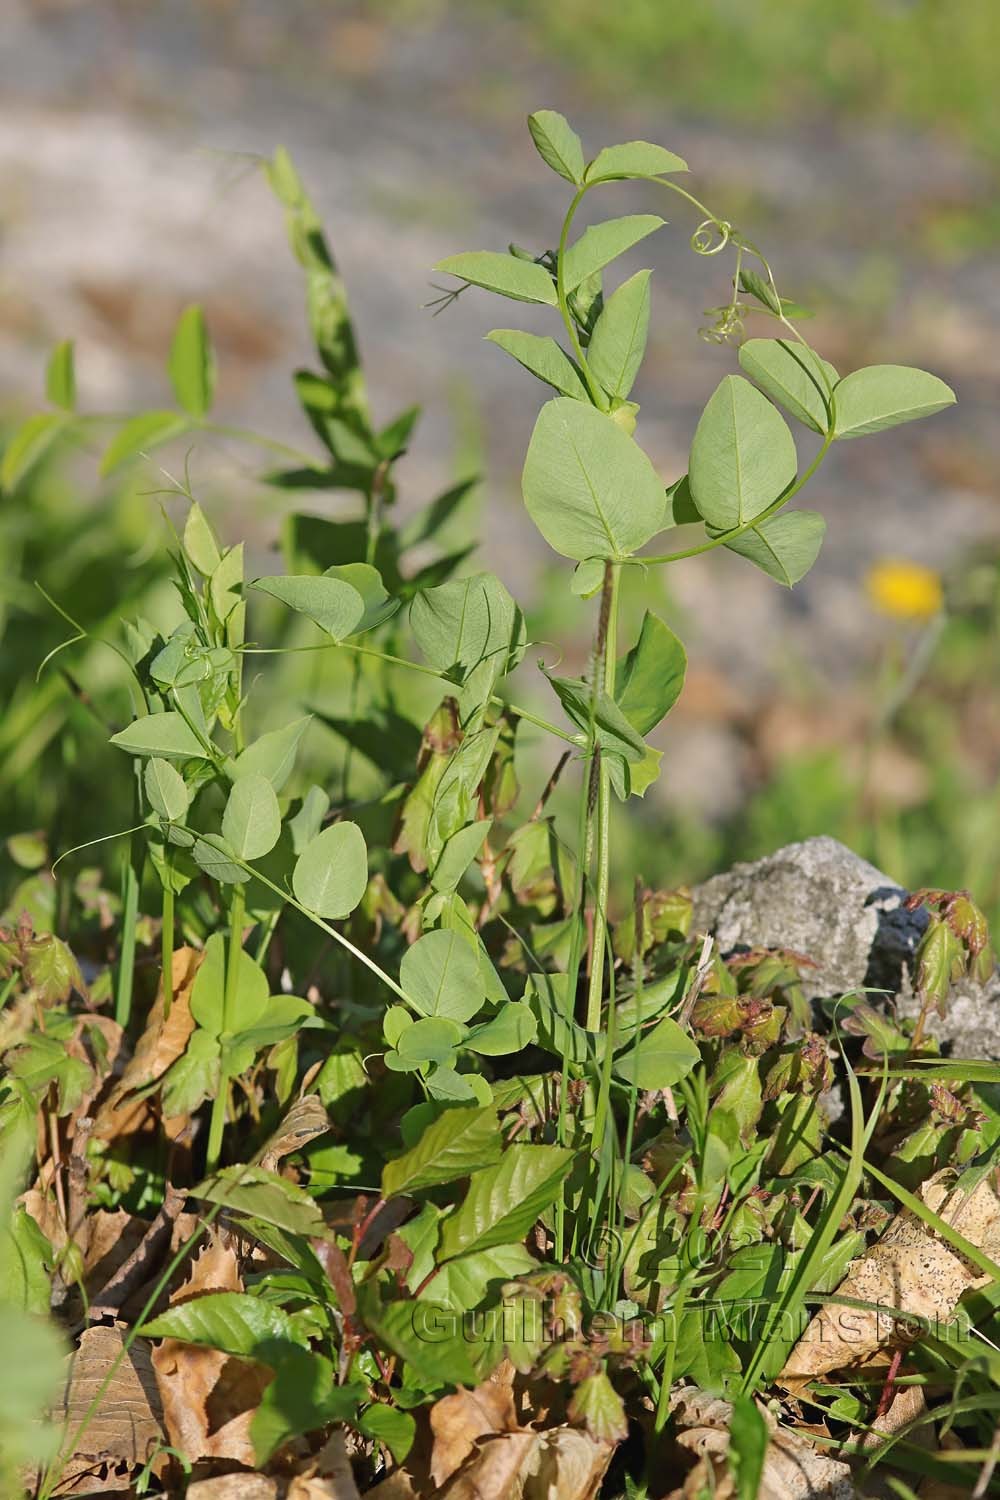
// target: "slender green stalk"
[[607, 670], [237, 915], [131, 871], [167, 934]]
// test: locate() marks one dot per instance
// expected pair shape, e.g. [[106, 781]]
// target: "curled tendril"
[[703, 240], [726, 327]]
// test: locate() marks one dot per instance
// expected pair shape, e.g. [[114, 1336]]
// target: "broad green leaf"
[[504, 1201], [430, 1339], [446, 1083], [378, 605], [266, 1196], [881, 396], [785, 546], [208, 991], [218, 859], [588, 487], [748, 1444], [544, 358], [138, 436], [331, 873], [651, 676], [602, 243], [335, 606], [633, 159], [272, 755], [458, 854], [60, 376], [251, 822], [664, 1056], [512, 1028], [201, 545], [441, 976], [303, 1397], [462, 1283], [614, 731], [388, 1425], [432, 1039], [471, 620], [168, 795], [557, 144], [618, 341], [192, 363], [30, 443], [793, 375], [460, 1141], [25, 1255], [232, 1322], [168, 735], [742, 455], [496, 272]]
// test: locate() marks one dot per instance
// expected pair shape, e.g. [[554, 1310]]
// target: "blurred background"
[[858, 144]]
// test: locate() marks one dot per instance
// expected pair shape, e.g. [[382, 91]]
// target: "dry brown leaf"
[[160, 1045], [500, 1469], [306, 1120], [909, 1271], [458, 1421], [398, 1486], [234, 1487], [127, 1424], [572, 1466]]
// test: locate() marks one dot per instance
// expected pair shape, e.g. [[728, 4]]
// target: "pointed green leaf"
[[201, 545], [388, 1425], [602, 243], [662, 1057], [213, 855], [460, 1141], [333, 605], [441, 977], [793, 375], [60, 376], [166, 734], [251, 822], [378, 605], [883, 396], [265, 1196], [503, 1202], [742, 455], [587, 485], [192, 363], [168, 795], [522, 280], [618, 342], [233, 1322], [331, 873], [544, 358], [652, 675], [557, 143], [146, 431], [29, 444], [462, 1283], [272, 755], [614, 731], [633, 159], [303, 1397], [458, 853], [785, 546]]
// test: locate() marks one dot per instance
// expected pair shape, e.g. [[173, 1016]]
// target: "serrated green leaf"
[[618, 341], [522, 280], [742, 455], [460, 1141], [233, 1322], [60, 376], [602, 243], [429, 1339], [633, 159], [192, 363], [194, 1077], [785, 546], [251, 822], [651, 676], [663, 1056], [168, 795], [333, 605], [557, 144], [440, 975], [148, 430], [168, 735], [588, 487], [793, 375], [331, 873], [272, 755], [25, 1254], [504, 1201], [882, 396], [463, 1283], [544, 358]]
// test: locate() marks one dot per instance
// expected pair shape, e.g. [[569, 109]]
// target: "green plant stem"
[[130, 914], [597, 395], [237, 913], [167, 935], [606, 667]]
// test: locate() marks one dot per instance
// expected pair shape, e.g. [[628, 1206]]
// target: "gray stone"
[[822, 900]]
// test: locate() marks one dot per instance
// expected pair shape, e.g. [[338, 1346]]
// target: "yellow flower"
[[904, 590]]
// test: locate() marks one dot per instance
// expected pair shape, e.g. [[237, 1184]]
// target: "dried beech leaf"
[[234, 1487], [333, 1477], [458, 1421], [500, 1470], [161, 1044], [128, 1422], [909, 1271], [571, 1467]]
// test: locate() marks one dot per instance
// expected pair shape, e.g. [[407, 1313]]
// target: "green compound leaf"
[[168, 735], [494, 271], [331, 873], [618, 342], [146, 431], [251, 822], [441, 976], [742, 455], [232, 1322], [168, 795], [633, 159], [192, 363], [544, 358], [459, 1142], [882, 396], [662, 1058], [504, 1201], [558, 144], [602, 243], [60, 376], [785, 546], [335, 606], [272, 755], [588, 487], [793, 375], [651, 676]]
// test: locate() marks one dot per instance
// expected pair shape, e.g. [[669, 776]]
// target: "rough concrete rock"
[[819, 898]]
